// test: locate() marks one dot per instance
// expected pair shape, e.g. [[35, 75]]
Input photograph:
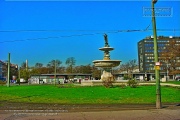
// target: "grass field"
[[86, 95], [174, 82]]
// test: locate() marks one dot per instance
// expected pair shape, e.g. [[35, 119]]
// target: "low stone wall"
[[91, 82], [120, 82], [99, 82]]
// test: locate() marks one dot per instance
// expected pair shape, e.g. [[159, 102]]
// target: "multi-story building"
[[0, 69], [146, 53], [3, 70]]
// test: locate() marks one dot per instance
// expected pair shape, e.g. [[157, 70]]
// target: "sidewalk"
[[169, 112], [162, 84], [153, 114]]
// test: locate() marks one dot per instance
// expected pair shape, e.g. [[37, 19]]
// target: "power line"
[[4, 31], [59, 30], [55, 37], [112, 31]]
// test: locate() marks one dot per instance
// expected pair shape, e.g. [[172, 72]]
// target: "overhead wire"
[[75, 35], [54, 30], [63, 36]]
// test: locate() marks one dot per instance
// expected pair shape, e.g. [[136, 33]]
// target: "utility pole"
[[55, 73], [26, 65], [19, 73], [167, 72], [158, 88], [8, 78], [19, 69]]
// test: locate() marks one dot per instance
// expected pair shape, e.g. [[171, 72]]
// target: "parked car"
[[178, 78], [66, 81], [3, 79], [137, 78]]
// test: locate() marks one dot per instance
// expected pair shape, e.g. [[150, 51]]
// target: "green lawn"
[[86, 95], [174, 82]]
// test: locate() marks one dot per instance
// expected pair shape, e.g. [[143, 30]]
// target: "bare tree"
[[23, 65], [132, 65], [129, 67], [38, 65], [51, 65], [96, 73], [70, 62], [124, 67], [83, 69]]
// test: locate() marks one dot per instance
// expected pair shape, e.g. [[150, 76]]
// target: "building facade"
[[146, 53], [59, 78], [1, 69], [4, 70]]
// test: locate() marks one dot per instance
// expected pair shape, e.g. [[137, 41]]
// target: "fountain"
[[106, 64]]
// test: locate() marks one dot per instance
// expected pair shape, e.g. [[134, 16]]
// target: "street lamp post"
[[19, 68], [167, 71], [158, 88], [55, 73], [19, 72], [8, 78]]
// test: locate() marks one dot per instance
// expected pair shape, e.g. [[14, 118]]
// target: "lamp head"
[[154, 1]]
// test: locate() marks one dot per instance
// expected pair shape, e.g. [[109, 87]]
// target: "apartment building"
[[146, 53], [3, 70]]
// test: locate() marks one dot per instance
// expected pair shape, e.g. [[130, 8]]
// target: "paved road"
[[154, 114], [171, 112]]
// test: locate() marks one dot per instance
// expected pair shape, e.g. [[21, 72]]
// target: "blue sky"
[[43, 31]]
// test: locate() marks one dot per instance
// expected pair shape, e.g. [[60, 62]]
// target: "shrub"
[[108, 83], [18, 81], [122, 85], [2, 82], [132, 83], [126, 77]]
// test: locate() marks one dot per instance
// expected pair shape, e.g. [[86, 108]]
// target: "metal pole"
[[158, 88], [55, 73], [19, 74], [8, 78], [167, 72]]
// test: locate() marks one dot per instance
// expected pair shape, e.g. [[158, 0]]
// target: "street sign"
[[157, 63], [157, 67]]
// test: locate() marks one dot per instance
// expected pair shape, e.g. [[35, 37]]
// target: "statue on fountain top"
[[106, 40]]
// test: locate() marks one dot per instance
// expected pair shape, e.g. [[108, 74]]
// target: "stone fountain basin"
[[106, 63], [106, 48]]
